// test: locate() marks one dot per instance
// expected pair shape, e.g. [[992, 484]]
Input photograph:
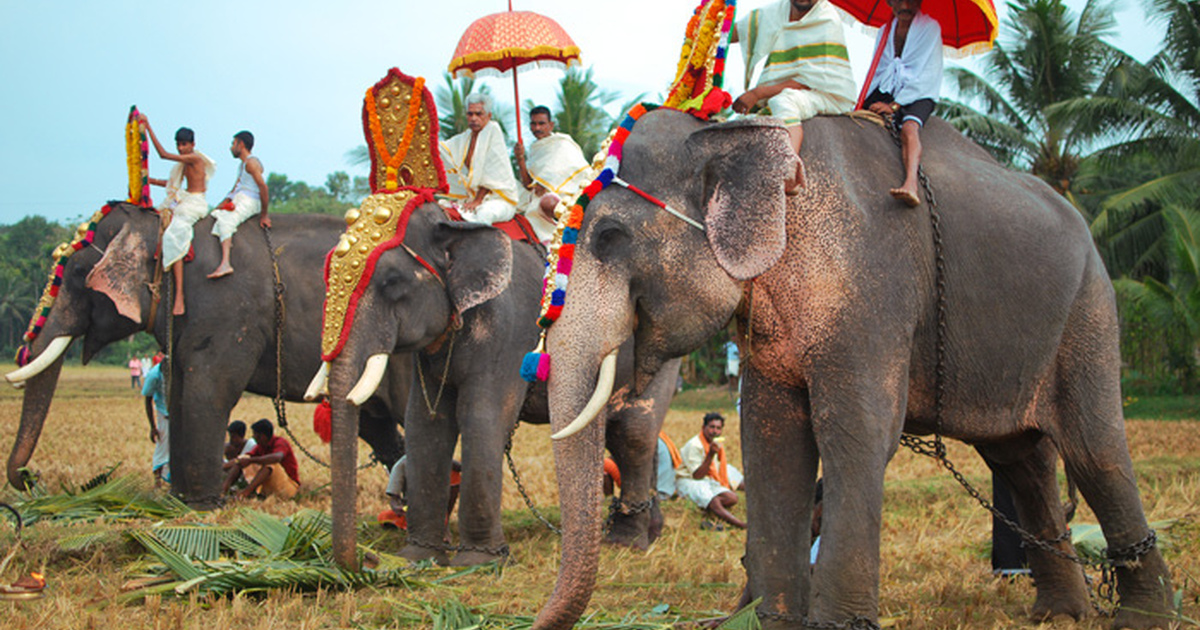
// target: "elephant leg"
[[780, 482], [427, 469], [1091, 439], [1028, 465], [632, 438], [204, 396], [857, 415], [485, 421]]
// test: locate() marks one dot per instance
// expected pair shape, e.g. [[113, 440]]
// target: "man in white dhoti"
[[183, 206], [807, 66], [554, 172], [477, 167], [907, 83], [705, 477], [248, 198]]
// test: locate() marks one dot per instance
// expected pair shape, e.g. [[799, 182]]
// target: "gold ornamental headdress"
[[401, 123]]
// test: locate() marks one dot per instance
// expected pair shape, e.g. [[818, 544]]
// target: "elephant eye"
[[610, 241], [392, 285]]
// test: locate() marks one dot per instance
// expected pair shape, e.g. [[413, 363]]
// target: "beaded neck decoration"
[[696, 90], [137, 154], [398, 112]]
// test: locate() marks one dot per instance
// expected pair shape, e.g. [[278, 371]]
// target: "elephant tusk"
[[43, 360], [320, 383], [604, 388], [369, 381]]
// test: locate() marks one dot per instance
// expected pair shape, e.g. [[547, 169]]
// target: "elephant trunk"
[[578, 464], [39, 391], [344, 462]]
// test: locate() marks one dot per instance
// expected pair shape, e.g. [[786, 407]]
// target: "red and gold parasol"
[[968, 26], [512, 41]]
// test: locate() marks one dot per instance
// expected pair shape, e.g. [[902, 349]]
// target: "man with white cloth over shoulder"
[[907, 83], [183, 206], [554, 172], [478, 172]]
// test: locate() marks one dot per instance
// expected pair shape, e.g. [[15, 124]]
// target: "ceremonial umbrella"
[[512, 40], [968, 26]]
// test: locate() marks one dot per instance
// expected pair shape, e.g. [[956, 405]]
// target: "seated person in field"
[[705, 477], [397, 493], [555, 170], [183, 206], [807, 66], [238, 444], [478, 171], [270, 468], [907, 83]]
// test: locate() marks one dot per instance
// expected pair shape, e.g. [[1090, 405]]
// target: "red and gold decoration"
[[400, 123], [512, 40], [137, 158]]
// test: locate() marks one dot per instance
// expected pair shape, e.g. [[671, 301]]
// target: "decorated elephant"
[[463, 299], [835, 291], [224, 345]]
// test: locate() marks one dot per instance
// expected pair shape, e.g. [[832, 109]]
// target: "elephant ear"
[[122, 272], [742, 166], [480, 262]]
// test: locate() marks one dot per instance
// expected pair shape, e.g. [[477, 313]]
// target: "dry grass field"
[[936, 572]]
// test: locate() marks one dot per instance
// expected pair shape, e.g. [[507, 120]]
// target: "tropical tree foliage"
[[1047, 56], [581, 110], [339, 194]]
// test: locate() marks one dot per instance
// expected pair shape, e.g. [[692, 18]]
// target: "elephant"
[[834, 290], [467, 310], [223, 345]]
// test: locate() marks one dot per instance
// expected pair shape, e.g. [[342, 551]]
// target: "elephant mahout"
[[463, 299], [224, 345], [834, 290]]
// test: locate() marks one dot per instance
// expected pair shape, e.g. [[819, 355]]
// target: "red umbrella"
[[503, 42], [967, 25]]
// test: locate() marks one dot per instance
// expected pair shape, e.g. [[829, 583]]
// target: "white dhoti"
[[177, 238], [227, 221], [489, 168], [703, 491], [795, 106], [557, 166]]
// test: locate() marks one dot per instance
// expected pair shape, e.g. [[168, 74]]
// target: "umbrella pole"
[[517, 96]]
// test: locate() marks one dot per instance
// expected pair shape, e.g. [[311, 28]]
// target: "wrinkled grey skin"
[[841, 353], [224, 344], [494, 284]]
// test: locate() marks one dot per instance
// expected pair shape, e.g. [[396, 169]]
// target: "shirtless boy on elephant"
[[181, 209]]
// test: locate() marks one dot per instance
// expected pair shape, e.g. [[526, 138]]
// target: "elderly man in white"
[[907, 83], [553, 174], [477, 167]]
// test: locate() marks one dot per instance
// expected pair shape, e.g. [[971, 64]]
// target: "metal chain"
[[502, 550], [437, 400], [937, 449], [627, 509], [512, 467], [280, 405]]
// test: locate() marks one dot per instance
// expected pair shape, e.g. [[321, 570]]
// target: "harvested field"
[[935, 569]]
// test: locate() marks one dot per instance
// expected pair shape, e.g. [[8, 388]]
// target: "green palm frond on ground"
[[118, 498]]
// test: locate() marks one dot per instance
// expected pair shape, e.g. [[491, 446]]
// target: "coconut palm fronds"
[[103, 497], [454, 615], [258, 553]]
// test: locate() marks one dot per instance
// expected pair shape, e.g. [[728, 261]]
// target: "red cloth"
[[323, 421], [610, 469], [518, 228], [280, 445]]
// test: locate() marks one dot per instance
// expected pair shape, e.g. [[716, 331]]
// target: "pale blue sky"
[[292, 72]]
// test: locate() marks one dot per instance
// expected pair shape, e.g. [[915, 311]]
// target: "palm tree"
[[581, 112], [1050, 57]]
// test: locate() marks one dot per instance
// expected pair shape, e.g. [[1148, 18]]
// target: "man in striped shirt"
[[806, 67]]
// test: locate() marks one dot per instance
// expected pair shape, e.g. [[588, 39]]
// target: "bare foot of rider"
[[179, 309], [907, 194], [221, 271], [793, 184]]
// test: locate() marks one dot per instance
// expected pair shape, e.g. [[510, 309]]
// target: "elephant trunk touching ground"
[[39, 391]]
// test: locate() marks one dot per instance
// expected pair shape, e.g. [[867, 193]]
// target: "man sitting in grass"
[[705, 477], [271, 468]]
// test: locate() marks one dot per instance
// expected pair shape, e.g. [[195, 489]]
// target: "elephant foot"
[[1047, 607], [418, 553], [472, 557], [1131, 619]]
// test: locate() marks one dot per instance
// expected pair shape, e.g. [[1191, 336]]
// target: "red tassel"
[[323, 421]]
